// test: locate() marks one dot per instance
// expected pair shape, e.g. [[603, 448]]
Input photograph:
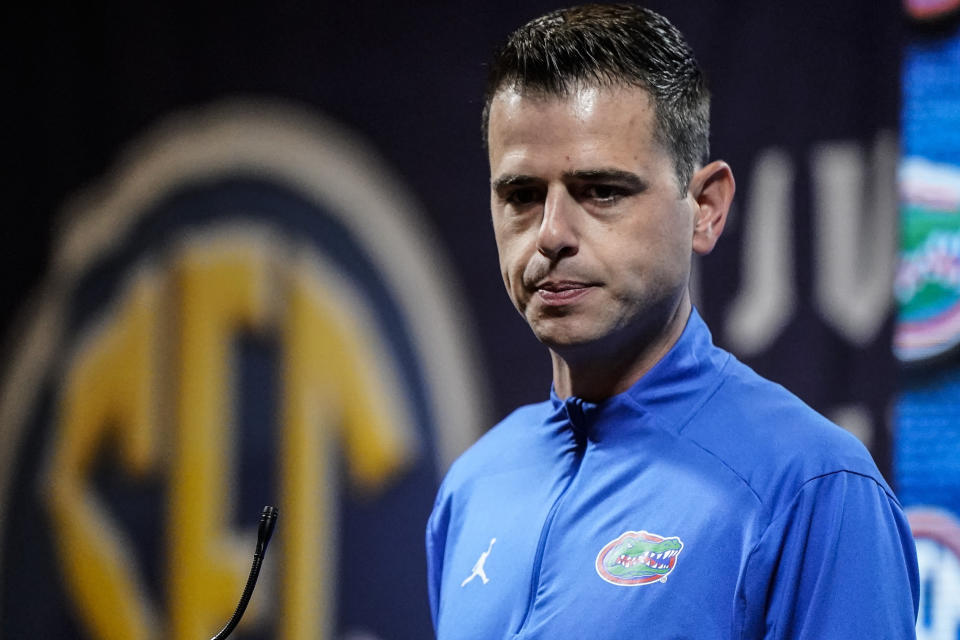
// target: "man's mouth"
[[562, 292]]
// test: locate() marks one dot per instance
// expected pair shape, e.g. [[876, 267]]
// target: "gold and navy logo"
[[249, 310]]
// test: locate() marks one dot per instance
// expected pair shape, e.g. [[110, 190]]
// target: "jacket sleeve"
[[436, 536], [839, 562]]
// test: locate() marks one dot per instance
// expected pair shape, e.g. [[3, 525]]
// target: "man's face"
[[594, 239]]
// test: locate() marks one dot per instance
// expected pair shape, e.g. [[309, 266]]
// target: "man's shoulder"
[[773, 440], [512, 441]]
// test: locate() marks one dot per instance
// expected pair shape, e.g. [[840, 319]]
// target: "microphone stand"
[[267, 521]]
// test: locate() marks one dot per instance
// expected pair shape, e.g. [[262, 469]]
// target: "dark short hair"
[[612, 45]]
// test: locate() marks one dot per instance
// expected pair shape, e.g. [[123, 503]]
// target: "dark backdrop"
[[791, 82], [409, 78]]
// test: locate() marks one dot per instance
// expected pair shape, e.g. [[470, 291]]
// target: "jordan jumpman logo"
[[478, 567]]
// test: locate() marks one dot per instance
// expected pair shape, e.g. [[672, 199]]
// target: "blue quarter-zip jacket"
[[703, 502]]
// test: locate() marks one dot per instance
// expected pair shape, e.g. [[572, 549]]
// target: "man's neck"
[[598, 377]]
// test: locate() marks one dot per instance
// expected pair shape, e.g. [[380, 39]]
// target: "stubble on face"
[[594, 243]]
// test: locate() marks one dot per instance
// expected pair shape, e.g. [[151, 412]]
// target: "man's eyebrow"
[[512, 180], [620, 176], [626, 178]]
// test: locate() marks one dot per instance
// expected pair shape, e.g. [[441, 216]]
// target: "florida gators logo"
[[638, 557]]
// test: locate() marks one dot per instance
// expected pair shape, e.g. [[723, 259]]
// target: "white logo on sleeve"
[[478, 566]]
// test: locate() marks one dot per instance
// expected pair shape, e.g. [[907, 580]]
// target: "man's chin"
[[574, 339], [565, 338]]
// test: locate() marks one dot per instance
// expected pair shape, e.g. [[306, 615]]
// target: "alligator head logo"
[[638, 557]]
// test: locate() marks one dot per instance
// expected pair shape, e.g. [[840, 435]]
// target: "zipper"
[[548, 522]]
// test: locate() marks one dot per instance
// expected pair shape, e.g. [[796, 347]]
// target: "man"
[[664, 490]]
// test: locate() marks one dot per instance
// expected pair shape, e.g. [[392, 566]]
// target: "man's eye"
[[523, 196], [603, 192]]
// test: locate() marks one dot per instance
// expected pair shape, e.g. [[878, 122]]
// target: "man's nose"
[[557, 237]]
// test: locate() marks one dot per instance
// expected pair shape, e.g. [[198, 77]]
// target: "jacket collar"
[[668, 394]]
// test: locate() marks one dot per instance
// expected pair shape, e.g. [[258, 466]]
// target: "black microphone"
[[268, 519]]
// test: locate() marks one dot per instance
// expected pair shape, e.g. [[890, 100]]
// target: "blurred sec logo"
[[937, 534], [248, 311]]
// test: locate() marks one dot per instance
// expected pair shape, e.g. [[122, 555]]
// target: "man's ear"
[[712, 189]]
